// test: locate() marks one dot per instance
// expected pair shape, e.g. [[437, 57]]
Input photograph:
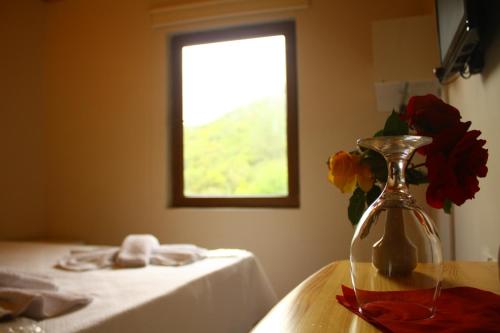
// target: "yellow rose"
[[365, 177], [342, 171], [345, 170]]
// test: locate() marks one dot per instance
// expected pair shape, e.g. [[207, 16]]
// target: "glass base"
[[396, 310]]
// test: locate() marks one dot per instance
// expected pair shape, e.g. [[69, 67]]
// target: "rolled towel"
[[177, 254], [88, 260], [136, 250]]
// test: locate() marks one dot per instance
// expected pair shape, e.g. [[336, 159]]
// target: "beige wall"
[[106, 82], [21, 120], [478, 98], [405, 49]]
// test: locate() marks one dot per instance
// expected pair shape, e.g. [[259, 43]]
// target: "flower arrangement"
[[453, 161]]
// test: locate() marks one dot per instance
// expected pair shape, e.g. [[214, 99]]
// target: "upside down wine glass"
[[396, 246]]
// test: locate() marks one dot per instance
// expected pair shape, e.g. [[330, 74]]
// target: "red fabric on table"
[[459, 310]]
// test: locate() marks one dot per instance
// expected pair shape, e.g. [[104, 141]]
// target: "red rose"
[[429, 115], [444, 141], [453, 175]]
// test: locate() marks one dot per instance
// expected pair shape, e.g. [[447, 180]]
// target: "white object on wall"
[[390, 95]]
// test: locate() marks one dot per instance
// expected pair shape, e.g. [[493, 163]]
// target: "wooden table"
[[312, 307]]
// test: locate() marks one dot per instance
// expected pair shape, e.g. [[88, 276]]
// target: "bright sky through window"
[[221, 77]]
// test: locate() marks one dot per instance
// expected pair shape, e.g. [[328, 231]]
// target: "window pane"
[[234, 118]]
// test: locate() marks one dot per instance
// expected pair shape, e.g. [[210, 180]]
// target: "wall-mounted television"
[[458, 23]]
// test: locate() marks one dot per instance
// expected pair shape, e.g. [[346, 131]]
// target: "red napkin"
[[459, 310]]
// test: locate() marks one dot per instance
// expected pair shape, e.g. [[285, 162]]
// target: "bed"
[[226, 292]]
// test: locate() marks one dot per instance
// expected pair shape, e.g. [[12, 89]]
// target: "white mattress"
[[219, 294]]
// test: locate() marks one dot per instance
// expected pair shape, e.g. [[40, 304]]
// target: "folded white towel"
[[15, 279], [136, 250], [89, 259], [34, 296], [177, 254], [38, 304]]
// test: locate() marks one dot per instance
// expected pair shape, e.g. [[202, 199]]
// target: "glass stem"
[[396, 167], [394, 253]]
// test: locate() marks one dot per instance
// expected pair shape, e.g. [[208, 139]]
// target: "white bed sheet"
[[217, 294]]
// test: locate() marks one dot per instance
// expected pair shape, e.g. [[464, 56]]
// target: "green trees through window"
[[243, 153]]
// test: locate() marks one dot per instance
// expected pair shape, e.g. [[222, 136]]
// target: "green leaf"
[[447, 206], [377, 164], [416, 177], [356, 206], [395, 126], [379, 133], [373, 194]]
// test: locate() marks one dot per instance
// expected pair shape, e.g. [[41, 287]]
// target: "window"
[[234, 103]]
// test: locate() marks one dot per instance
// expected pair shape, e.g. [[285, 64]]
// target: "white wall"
[[105, 83], [477, 222]]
